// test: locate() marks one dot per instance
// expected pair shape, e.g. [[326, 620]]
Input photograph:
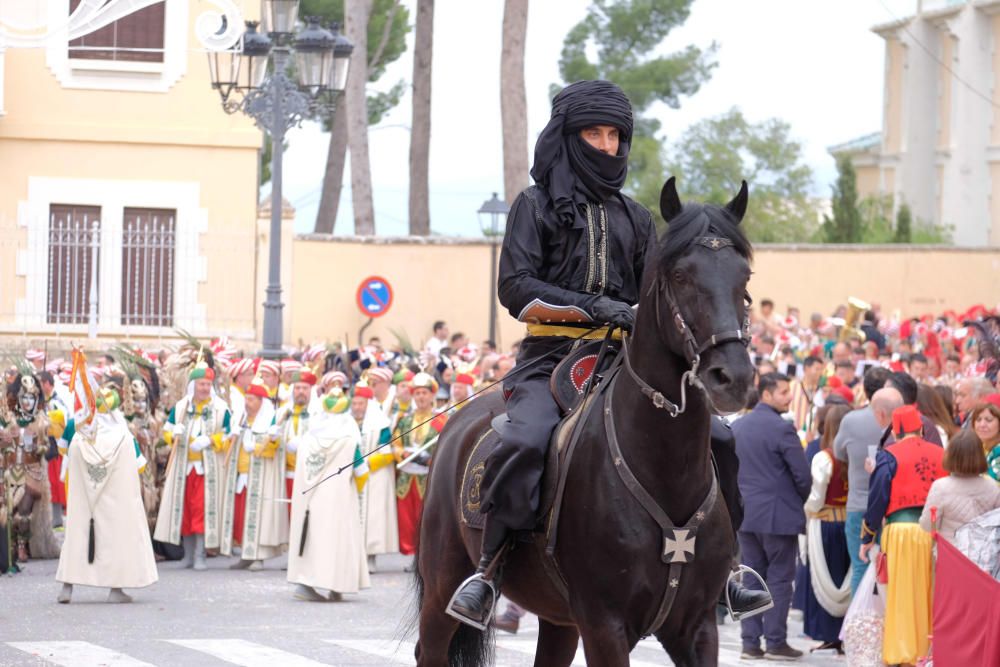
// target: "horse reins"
[[692, 348]]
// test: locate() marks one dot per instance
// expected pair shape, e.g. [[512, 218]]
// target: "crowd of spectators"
[[865, 429]]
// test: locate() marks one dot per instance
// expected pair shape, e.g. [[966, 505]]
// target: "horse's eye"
[[679, 277]]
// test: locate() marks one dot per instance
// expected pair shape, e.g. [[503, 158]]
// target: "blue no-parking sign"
[[374, 296]]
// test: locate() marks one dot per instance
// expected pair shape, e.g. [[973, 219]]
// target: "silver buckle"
[[739, 572], [465, 619]]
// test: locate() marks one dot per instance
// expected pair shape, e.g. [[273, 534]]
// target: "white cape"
[[104, 485], [378, 500], [333, 553]]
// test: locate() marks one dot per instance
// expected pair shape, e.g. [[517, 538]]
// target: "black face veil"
[[567, 166]]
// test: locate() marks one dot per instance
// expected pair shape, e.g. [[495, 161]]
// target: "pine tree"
[[845, 225], [904, 225]]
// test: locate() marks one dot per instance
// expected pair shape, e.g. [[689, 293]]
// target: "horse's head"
[[700, 289]]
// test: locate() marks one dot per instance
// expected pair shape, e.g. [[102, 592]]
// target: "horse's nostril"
[[719, 376]]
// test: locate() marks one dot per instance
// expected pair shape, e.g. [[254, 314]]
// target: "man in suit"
[[774, 480]]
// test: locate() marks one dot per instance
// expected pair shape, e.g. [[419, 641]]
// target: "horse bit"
[[692, 349]]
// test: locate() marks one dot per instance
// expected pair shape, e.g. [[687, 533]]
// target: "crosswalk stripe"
[[528, 648], [390, 649], [77, 654], [245, 653]]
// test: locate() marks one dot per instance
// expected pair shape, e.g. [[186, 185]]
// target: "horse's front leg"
[[605, 642], [556, 644], [700, 649]]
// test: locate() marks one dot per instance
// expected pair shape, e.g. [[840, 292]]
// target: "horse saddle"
[[568, 385]]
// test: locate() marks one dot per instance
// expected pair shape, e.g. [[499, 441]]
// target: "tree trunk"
[[356, 13], [513, 103], [420, 132], [333, 177]]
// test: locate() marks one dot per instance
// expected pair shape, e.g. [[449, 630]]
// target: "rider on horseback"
[[574, 251]]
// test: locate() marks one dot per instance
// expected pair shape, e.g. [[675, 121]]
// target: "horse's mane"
[[697, 220]]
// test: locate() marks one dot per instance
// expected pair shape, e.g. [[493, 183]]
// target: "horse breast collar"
[[678, 543]]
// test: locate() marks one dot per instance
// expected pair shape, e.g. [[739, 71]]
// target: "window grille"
[[74, 240], [148, 248]]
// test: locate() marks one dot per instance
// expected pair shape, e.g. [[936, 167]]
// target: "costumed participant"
[[380, 381], [6, 559], [253, 513], [57, 409], [197, 430], [403, 402], [897, 491], [36, 359], [462, 388], [241, 375], [327, 549], [413, 443], [293, 421], [331, 380], [269, 373], [24, 442], [378, 499], [574, 250], [287, 368], [828, 585], [107, 536], [145, 428]]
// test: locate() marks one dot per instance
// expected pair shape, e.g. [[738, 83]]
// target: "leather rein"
[[692, 348]]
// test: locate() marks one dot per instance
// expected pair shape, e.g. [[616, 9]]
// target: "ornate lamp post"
[[492, 220], [256, 80]]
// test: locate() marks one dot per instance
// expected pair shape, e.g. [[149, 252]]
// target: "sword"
[[423, 448]]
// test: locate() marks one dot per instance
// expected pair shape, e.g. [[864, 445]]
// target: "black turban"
[[566, 165]]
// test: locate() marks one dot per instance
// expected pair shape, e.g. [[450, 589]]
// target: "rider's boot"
[[475, 600], [744, 602]]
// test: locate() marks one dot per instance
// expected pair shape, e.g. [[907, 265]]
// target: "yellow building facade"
[[939, 148], [119, 168]]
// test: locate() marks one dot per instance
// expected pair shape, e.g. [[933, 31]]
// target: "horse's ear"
[[670, 203], [738, 206]]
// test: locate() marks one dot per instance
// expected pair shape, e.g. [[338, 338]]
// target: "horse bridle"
[[692, 348]]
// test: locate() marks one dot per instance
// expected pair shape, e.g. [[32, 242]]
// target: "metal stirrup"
[[481, 626], [739, 572]]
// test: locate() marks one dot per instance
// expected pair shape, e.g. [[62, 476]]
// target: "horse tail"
[[468, 647], [471, 648]]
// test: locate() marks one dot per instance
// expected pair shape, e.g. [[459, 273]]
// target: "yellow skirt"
[[908, 601]]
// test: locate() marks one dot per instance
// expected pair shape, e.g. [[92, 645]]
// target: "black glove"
[[608, 310]]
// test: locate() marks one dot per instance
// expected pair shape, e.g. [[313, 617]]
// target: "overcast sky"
[[814, 64]]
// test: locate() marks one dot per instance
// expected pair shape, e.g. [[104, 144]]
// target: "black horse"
[[689, 334]]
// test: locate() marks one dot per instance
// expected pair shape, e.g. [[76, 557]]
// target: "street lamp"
[[255, 81], [492, 217]]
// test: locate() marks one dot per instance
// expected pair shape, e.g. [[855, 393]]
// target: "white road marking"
[[390, 649], [245, 653], [78, 654]]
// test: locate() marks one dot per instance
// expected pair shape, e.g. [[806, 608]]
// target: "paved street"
[[221, 617]]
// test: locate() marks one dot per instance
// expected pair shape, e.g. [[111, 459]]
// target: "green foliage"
[[875, 213], [626, 35], [845, 224], [877, 227], [379, 104], [926, 233], [713, 156], [333, 10], [646, 175], [904, 219]]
